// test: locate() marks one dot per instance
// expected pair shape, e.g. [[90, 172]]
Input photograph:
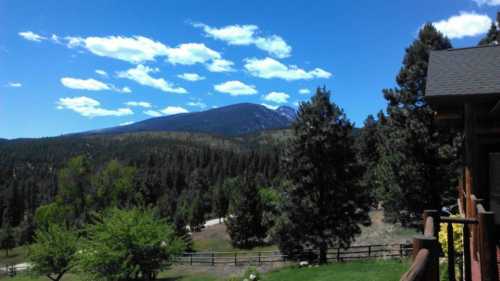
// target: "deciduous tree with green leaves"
[[54, 251], [323, 202], [128, 245]]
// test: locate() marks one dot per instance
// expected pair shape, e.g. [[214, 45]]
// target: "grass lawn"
[[16, 255], [351, 271], [375, 270]]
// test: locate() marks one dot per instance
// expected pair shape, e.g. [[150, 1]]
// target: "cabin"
[[463, 89]]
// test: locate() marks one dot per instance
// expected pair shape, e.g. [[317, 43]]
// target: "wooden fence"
[[261, 257]]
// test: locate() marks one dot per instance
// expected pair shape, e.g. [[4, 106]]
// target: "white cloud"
[[88, 107], [152, 113], [28, 35], [197, 103], [304, 91], [191, 76], [235, 88], [276, 97], [220, 65], [247, 35], [487, 2], [191, 53], [138, 104], [126, 123], [270, 68], [84, 84], [140, 74], [14, 84], [135, 49], [170, 110], [91, 85], [101, 72], [464, 25], [272, 107]]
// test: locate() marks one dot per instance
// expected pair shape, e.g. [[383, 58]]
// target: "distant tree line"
[[180, 177]]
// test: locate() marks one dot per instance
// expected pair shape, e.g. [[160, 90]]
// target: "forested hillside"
[[164, 164]]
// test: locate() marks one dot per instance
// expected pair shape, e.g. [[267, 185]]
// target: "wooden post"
[[191, 259], [487, 252], [435, 215], [401, 250], [235, 258], [213, 258], [369, 250], [259, 259], [451, 253], [467, 256], [432, 267], [338, 254]]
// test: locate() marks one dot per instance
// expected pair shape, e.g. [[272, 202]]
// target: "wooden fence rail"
[[261, 257]]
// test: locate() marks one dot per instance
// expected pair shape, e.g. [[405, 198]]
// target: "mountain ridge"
[[232, 120]]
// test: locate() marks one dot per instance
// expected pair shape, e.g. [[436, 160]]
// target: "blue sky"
[[69, 66]]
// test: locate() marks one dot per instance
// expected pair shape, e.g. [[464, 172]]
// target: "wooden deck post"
[[487, 251], [432, 245]]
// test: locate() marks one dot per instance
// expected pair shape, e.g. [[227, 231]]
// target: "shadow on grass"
[[171, 278]]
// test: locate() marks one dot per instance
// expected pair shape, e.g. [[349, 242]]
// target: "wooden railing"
[[355, 252], [477, 223], [425, 264]]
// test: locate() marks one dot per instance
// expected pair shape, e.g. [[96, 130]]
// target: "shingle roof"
[[468, 71]]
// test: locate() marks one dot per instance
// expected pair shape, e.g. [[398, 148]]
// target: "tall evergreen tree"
[[324, 202], [416, 170], [244, 224], [493, 35]]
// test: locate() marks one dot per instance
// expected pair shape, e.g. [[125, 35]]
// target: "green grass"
[[16, 255], [375, 270], [351, 271]]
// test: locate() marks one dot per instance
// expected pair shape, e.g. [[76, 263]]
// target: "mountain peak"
[[231, 120], [288, 112]]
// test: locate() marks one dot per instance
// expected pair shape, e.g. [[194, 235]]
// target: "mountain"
[[232, 120], [288, 112]]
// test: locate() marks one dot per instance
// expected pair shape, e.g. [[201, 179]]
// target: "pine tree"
[[493, 35], [244, 224], [417, 166], [324, 202]]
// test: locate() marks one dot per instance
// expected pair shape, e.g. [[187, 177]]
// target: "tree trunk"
[[323, 249]]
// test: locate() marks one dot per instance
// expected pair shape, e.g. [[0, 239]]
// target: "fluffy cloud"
[[220, 65], [171, 110], [270, 68], [191, 53], [126, 123], [101, 72], [488, 2], [304, 91], [197, 103], [140, 74], [153, 113], [91, 85], [247, 35], [84, 84], [14, 84], [272, 107], [88, 107], [28, 35], [191, 76], [463, 25], [276, 97], [135, 49], [235, 88], [138, 104]]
